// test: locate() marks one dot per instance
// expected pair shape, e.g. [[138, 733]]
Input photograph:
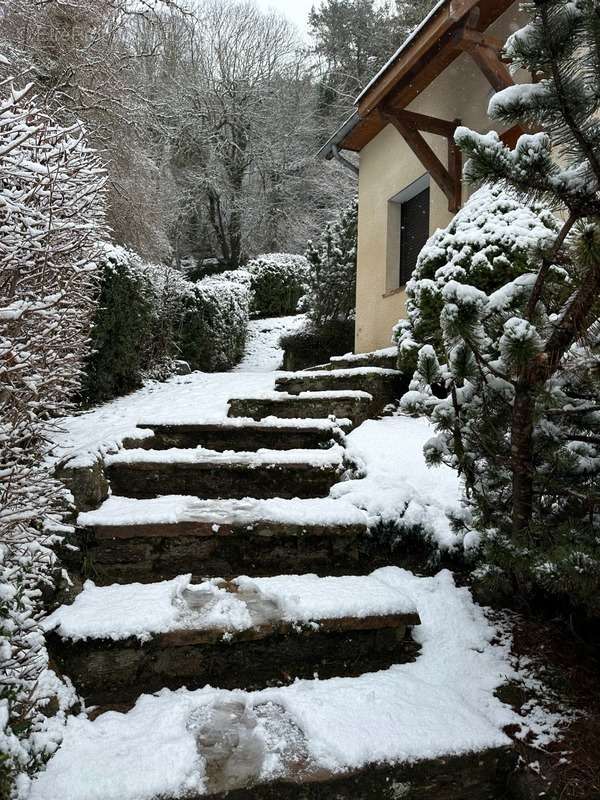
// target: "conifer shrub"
[[330, 298], [331, 294], [278, 281]]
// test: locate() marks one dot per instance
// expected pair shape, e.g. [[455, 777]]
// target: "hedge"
[[148, 315], [278, 281]]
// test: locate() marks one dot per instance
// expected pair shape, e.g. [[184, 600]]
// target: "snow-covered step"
[[237, 433], [353, 405], [117, 642], [385, 358], [209, 474], [432, 729], [384, 385], [128, 540]]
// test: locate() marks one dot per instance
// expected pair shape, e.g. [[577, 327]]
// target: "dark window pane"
[[414, 232]]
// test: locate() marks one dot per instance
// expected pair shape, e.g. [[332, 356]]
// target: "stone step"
[[385, 358], [384, 385], [118, 642], [243, 434], [352, 405], [129, 540], [209, 474]]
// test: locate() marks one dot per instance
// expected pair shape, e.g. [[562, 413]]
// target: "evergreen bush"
[[311, 346], [214, 324], [278, 281], [123, 327], [331, 295], [149, 314]]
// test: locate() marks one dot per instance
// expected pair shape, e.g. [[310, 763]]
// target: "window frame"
[[394, 230]]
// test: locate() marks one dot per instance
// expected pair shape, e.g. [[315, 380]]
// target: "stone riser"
[[357, 410], [475, 776], [260, 552], [143, 481], [235, 439], [384, 390], [109, 673]]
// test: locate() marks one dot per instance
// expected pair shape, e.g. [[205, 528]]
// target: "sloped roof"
[[424, 55]]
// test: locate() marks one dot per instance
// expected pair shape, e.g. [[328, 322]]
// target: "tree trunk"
[[522, 456]]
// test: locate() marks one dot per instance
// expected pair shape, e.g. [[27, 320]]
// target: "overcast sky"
[[296, 10]]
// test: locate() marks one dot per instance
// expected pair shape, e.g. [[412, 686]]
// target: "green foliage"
[[122, 332], [331, 295], [278, 281], [213, 325], [354, 38], [149, 315], [516, 405], [489, 244]]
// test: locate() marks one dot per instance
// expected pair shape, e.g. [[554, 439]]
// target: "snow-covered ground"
[[397, 486], [442, 704], [263, 353]]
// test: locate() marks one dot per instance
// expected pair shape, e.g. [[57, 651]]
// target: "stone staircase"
[[219, 559]]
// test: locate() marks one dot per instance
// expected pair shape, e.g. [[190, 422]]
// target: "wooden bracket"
[[409, 125], [485, 52]]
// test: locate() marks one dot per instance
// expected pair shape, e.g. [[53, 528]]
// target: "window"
[[407, 231], [414, 232]]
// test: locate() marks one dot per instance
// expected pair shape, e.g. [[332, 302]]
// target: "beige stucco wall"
[[387, 165]]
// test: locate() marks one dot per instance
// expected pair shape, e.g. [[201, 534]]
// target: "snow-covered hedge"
[[149, 314], [214, 323], [51, 214], [278, 281]]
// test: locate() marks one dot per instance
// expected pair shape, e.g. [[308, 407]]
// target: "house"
[[409, 168]]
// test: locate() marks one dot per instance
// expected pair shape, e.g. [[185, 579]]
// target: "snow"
[[263, 353], [171, 509], [399, 488], [442, 704], [352, 372], [384, 351], [331, 456], [142, 609], [120, 611], [199, 397], [301, 598], [333, 394], [266, 422]]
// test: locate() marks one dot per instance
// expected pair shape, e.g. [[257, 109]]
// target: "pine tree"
[[331, 296], [519, 412]]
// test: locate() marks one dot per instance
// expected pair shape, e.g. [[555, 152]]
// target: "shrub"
[[149, 314], [214, 324], [331, 295], [278, 282], [123, 327], [51, 214], [487, 245]]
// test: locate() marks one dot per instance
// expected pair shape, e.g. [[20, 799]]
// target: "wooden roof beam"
[[485, 52], [449, 179]]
